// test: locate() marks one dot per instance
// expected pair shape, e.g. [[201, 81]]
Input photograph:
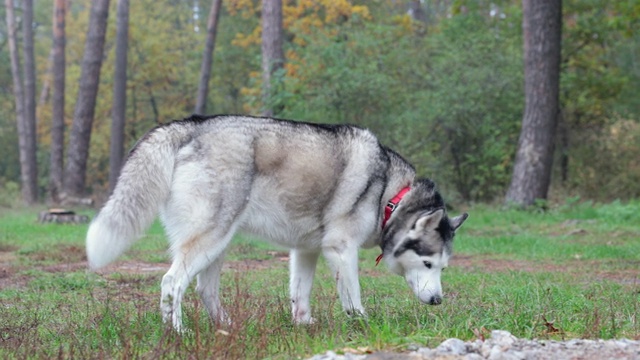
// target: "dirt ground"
[[67, 258]]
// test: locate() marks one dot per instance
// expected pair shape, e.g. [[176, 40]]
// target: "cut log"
[[66, 199], [62, 216]]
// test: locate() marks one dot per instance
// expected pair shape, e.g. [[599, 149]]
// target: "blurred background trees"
[[207, 57], [58, 72], [440, 81], [24, 95], [119, 110], [84, 113]]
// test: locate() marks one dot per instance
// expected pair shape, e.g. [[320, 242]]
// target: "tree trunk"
[[542, 23], [207, 57], [417, 12], [30, 100], [564, 141], [26, 131], [46, 83], [272, 54], [18, 92], [57, 119], [119, 94], [80, 136]]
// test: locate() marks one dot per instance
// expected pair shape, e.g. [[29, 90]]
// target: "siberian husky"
[[312, 188]]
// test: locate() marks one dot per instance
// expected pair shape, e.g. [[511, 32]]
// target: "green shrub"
[[9, 193]]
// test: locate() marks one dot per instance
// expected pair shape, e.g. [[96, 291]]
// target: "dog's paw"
[[222, 318], [307, 321], [356, 313], [177, 328], [302, 316]]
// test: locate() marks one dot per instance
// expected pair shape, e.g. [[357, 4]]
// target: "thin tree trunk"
[[18, 94], [57, 119], [207, 57], [272, 53], [26, 130], [119, 94], [564, 141], [30, 101], [542, 23], [80, 136], [417, 12], [46, 84]]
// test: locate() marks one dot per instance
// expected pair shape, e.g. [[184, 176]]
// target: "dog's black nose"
[[435, 300]]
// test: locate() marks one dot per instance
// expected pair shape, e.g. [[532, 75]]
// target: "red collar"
[[391, 206]]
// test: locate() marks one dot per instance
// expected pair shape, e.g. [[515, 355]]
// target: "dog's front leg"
[[302, 267], [343, 261]]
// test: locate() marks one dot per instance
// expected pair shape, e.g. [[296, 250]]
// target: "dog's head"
[[418, 243]]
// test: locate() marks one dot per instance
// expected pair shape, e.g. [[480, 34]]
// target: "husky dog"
[[312, 188]]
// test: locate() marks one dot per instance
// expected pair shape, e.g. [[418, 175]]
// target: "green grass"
[[570, 272]]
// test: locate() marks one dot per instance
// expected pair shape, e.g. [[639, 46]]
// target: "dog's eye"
[[427, 264]]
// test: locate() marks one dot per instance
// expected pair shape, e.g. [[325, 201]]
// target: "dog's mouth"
[[426, 295], [430, 298]]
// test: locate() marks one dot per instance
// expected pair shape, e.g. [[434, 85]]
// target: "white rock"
[[329, 355], [503, 339], [575, 343], [485, 349], [427, 353], [452, 347], [497, 354], [473, 357]]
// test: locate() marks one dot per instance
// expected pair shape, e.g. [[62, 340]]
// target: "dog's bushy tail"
[[142, 187]]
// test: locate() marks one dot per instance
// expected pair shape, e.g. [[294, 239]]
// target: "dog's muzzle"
[[435, 300], [432, 294]]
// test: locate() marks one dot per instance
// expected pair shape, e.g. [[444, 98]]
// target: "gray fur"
[[309, 187]]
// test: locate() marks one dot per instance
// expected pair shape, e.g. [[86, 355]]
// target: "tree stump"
[[62, 216]]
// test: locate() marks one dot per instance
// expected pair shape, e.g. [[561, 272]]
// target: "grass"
[[570, 272]]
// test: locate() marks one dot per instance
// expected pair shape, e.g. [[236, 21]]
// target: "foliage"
[[451, 101], [589, 80], [606, 164], [598, 87], [300, 20], [475, 102], [9, 193], [446, 93], [347, 76]]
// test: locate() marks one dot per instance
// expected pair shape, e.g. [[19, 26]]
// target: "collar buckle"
[[392, 205]]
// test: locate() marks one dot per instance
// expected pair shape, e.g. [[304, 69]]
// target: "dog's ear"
[[429, 221], [457, 221]]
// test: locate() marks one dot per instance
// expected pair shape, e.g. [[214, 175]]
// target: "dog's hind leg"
[[201, 215], [209, 287], [189, 259], [302, 267]]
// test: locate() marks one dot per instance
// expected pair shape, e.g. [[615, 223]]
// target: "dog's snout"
[[435, 300]]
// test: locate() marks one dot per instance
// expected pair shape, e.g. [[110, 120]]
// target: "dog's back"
[[286, 180]]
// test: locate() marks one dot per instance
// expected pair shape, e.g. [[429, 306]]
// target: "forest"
[[439, 81]]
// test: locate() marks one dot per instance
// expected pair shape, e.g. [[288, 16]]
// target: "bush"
[[451, 101], [604, 163], [9, 193]]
